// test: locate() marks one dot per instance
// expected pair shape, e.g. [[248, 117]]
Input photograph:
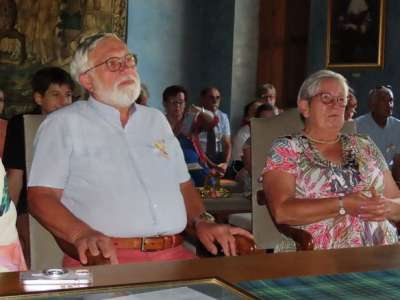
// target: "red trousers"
[[126, 256]]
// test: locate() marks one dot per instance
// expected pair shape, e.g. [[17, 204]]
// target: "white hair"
[[80, 60], [311, 85]]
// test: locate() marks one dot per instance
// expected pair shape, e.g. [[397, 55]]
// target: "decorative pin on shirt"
[[160, 146]]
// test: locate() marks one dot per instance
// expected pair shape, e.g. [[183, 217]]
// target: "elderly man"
[[382, 127], [118, 183], [216, 142], [267, 93]]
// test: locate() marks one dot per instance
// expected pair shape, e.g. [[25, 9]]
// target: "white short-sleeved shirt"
[[124, 182], [238, 142], [387, 139], [221, 130]]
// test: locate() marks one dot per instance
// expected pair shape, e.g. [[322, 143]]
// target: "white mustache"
[[126, 78]]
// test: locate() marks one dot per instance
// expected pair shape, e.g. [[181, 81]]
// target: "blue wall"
[[362, 80], [182, 42]]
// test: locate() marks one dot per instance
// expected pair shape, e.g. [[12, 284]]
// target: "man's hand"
[[210, 233], [97, 244]]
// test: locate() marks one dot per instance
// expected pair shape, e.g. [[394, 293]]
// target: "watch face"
[[207, 217]]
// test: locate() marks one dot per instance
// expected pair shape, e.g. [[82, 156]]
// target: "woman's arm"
[[280, 186]]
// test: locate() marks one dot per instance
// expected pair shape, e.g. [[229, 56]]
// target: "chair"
[[263, 131], [43, 248]]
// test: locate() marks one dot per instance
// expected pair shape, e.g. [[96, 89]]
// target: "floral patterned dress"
[[362, 168], [11, 256]]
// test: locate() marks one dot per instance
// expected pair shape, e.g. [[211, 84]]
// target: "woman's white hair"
[[80, 61], [311, 85]]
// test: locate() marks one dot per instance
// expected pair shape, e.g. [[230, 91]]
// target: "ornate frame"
[[349, 44]]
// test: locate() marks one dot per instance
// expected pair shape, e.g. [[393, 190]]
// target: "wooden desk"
[[221, 208], [236, 269]]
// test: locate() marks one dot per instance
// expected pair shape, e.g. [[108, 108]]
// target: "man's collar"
[[110, 113]]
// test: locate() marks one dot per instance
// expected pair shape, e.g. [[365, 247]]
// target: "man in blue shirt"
[[382, 127], [216, 142], [118, 184]]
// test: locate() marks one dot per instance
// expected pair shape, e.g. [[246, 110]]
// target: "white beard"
[[121, 97]]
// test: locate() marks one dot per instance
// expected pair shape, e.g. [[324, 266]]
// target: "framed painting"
[[355, 35], [35, 34]]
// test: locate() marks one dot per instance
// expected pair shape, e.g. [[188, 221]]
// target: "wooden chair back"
[[44, 250]]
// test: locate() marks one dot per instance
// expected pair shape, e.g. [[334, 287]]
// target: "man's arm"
[[207, 232], [15, 183], [45, 205]]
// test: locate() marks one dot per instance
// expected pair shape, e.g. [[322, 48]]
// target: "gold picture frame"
[[355, 34], [212, 287], [44, 33]]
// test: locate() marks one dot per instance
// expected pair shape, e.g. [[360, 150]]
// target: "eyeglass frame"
[[133, 55], [342, 103], [174, 101]]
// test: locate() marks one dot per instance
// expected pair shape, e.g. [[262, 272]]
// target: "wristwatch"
[[342, 210], [204, 216]]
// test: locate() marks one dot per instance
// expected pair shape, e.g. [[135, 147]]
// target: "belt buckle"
[[143, 247]]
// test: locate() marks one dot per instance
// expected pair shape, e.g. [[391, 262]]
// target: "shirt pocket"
[[159, 160]]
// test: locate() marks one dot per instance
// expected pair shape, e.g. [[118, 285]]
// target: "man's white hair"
[[80, 61]]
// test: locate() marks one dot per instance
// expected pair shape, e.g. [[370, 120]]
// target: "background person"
[[240, 138], [186, 123], [216, 142], [382, 127], [266, 93], [52, 89], [144, 95]]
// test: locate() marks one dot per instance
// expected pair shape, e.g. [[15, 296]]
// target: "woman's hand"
[[374, 208]]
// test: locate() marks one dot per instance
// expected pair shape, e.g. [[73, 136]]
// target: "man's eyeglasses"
[[267, 96], [177, 102], [329, 99], [115, 64]]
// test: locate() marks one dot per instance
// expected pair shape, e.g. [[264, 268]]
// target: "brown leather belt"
[[154, 243]]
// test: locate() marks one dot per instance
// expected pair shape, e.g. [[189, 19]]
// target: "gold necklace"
[[322, 141]]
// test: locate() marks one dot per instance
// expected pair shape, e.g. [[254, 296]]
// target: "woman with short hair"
[[334, 186]]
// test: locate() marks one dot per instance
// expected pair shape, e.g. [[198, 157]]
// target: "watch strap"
[[342, 210]]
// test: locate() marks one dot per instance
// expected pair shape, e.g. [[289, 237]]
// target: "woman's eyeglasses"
[[329, 99], [115, 64]]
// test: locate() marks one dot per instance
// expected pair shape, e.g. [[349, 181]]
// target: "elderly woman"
[[334, 186]]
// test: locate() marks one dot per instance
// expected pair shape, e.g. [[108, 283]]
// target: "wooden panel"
[[283, 46]]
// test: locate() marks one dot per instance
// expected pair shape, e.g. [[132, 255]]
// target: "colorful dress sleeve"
[[282, 156]]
